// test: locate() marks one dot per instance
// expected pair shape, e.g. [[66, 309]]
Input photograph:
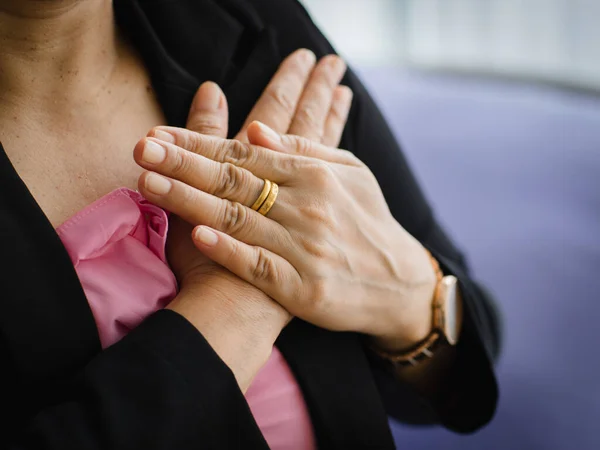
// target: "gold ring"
[[270, 201], [263, 196]]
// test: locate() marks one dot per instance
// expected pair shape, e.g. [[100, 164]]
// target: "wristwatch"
[[444, 329]]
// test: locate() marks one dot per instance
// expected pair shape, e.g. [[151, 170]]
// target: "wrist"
[[234, 303], [239, 322], [404, 324], [415, 328], [446, 323]]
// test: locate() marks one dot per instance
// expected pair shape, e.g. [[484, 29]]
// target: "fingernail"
[[269, 133], [337, 64], [157, 185], [164, 136], [343, 100], [206, 236], [154, 153], [307, 57], [208, 97]]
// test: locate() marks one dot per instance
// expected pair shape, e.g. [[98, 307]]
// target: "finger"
[[338, 116], [269, 272], [263, 136], [223, 180], [199, 208], [276, 166], [278, 102], [209, 113], [314, 106]]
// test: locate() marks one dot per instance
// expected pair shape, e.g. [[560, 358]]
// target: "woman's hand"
[[300, 99], [329, 252], [240, 321]]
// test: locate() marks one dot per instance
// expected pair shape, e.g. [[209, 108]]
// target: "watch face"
[[449, 286]]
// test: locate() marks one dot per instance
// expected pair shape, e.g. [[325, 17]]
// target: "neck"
[[53, 52]]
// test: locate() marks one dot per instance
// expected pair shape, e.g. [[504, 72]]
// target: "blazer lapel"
[[246, 84], [48, 341], [227, 44]]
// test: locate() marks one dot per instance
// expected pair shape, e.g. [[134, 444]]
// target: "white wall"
[[554, 39]]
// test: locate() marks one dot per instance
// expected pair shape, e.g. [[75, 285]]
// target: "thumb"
[[209, 113]]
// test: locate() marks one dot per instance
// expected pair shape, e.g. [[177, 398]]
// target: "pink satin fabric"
[[117, 245]]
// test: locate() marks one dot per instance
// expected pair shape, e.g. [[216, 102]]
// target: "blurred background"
[[497, 106]]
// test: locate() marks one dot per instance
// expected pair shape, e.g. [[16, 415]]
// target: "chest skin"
[[68, 161]]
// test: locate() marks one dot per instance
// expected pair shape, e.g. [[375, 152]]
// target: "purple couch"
[[514, 172]]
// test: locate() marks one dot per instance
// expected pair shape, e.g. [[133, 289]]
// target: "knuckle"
[[183, 164], [293, 70], [230, 180], [196, 143], [234, 152], [265, 269], [290, 165], [323, 230], [321, 174], [330, 81], [303, 147], [189, 198], [288, 67], [318, 297], [233, 253], [316, 215], [339, 112], [234, 219], [316, 248], [307, 116], [281, 96], [207, 124], [191, 141], [326, 79], [330, 71]]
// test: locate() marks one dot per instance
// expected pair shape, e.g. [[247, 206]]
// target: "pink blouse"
[[117, 245]]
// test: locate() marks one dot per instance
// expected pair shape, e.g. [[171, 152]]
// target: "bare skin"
[[74, 100]]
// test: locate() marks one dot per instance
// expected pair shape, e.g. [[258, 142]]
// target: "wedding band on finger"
[[267, 198], [263, 195]]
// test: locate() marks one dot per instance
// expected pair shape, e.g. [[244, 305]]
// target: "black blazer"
[[162, 386]]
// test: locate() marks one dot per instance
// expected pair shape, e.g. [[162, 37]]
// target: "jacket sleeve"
[[469, 397], [161, 387], [470, 393]]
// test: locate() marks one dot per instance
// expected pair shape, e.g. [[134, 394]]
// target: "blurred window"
[[551, 40]]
